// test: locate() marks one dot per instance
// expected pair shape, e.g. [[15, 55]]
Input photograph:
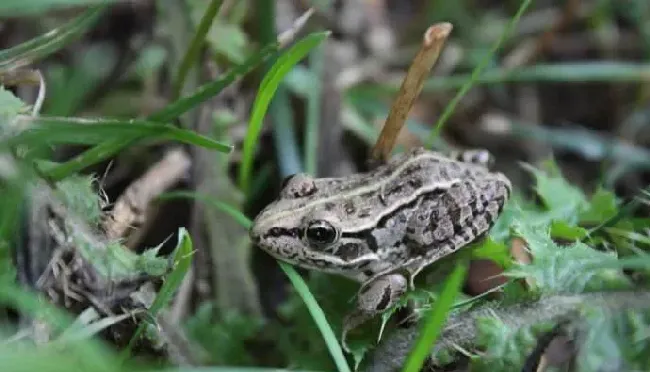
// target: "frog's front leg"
[[374, 298]]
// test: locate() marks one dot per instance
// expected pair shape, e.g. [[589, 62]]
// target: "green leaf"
[[318, 316], [78, 194], [612, 340], [476, 73], [33, 7], [507, 346], [56, 130], [205, 92], [582, 72], [492, 250], [561, 199], [268, 87], [559, 269], [192, 53], [228, 209], [48, 43], [602, 206], [10, 107], [436, 318], [562, 230], [96, 154], [182, 262]]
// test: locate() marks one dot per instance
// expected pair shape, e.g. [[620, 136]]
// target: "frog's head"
[[304, 227]]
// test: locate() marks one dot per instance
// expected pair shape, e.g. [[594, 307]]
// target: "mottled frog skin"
[[382, 227]]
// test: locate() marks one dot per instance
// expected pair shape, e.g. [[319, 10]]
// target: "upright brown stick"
[[433, 40]]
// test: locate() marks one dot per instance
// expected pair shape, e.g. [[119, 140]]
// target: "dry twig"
[[433, 40], [131, 207]]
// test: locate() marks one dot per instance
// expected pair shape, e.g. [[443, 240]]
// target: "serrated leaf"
[[614, 340], [573, 268], [182, 259], [506, 346], [561, 199], [10, 107], [494, 251], [565, 231], [602, 206], [79, 196]]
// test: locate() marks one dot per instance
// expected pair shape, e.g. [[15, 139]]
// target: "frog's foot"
[[352, 321], [374, 298]]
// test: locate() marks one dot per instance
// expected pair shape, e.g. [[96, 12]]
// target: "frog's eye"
[[321, 232]]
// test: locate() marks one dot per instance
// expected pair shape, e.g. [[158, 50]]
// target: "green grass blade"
[[268, 87], [313, 112], [90, 351], [33, 7], [230, 210], [317, 314], [475, 74], [93, 156], [299, 284], [105, 150], [60, 130], [109, 136], [192, 53], [182, 262], [205, 92], [436, 318], [565, 72], [48, 43], [284, 134], [226, 369]]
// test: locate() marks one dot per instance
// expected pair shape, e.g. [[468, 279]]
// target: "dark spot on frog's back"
[[364, 213], [415, 182], [330, 206], [349, 207], [411, 169]]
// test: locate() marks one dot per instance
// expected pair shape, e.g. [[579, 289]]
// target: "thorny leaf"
[[561, 199], [572, 268]]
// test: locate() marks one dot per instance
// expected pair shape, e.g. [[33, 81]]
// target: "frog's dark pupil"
[[321, 232]]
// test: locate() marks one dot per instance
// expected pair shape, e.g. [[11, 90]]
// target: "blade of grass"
[[207, 199], [60, 130], [583, 72], [268, 87], [299, 284], [48, 43], [87, 158], [182, 262], [104, 151], [475, 74], [284, 136], [192, 54], [226, 369], [32, 7], [313, 111], [36, 307], [318, 315], [436, 318], [209, 90]]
